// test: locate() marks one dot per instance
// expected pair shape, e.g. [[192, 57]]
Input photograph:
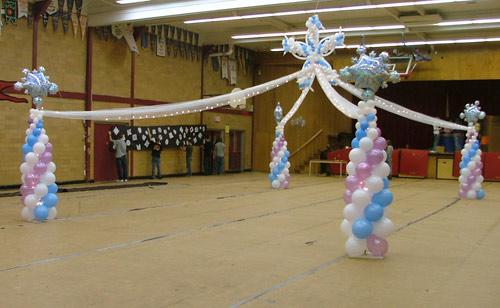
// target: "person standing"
[[121, 156], [436, 131], [207, 156], [388, 160], [155, 156], [189, 156], [219, 156]]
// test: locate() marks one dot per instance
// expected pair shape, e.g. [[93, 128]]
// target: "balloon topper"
[[37, 85], [278, 113], [369, 72], [314, 50], [472, 113]]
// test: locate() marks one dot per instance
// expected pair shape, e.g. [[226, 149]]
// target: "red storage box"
[[456, 163], [413, 163], [342, 154], [491, 166], [395, 162]]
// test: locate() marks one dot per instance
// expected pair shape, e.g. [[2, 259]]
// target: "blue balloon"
[[281, 165], [363, 125], [370, 117], [462, 165], [52, 188], [287, 153], [284, 159], [32, 140], [27, 148], [475, 145], [270, 177], [37, 132], [360, 133], [480, 194], [39, 124], [362, 228], [41, 212], [50, 200], [355, 143], [384, 197], [373, 212], [386, 182]]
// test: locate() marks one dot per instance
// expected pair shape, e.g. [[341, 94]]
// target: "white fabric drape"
[[294, 108], [342, 104]]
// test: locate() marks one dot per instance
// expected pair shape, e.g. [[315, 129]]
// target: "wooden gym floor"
[[231, 241]]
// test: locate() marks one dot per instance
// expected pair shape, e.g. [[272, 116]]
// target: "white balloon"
[[465, 172], [276, 159], [476, 186], [351, 212], [25, 168], [27, 214], [385, 155], [281, 177], [374, 184], [476, 158], [52, 213], [463, 152], [361, 104], [372, 133], [383, 228], [288, 165], [285, 143], [275, 144], [382, 170], [48, 178], [351, 168], [372, 124], [286, 171], [43, 131], [355, 247], [32, 126], [275, 184], [360, 197], [471, 194], [471, 165], [467, 146], [461, 179], [479, 152], [271, 166], [358, 125], [43, 138], [357, 156], [346, 227], [31, 158], [30, 201], [38, 148], [28, 132], [41, 190], [366, 144], [281, 153], [480, 179]]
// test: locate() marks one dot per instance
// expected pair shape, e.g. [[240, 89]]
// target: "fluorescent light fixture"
[[130, 1], [325, 10], [468, 22], [419, 43], [352, 29]]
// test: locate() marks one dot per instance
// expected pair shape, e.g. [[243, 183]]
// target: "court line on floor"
[[329, 263], [167, 235]]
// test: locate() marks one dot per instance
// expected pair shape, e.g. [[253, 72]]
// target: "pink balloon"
[[379, 131], [31, 179], [471, 179], [462, 193], [479, 165], [40, 167], [377, 246], [352, 182], [48, 147], [380, 143], [26, 190], [285, 184], [476, 172], [375, 157], [363, 170], [347, 196], [46, 157]]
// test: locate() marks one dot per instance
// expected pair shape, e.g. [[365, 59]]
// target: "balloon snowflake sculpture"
[[38, 189], [279, 167], [471, 166], [367, 192]]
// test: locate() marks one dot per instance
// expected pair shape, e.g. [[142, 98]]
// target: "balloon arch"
[[367, 193]]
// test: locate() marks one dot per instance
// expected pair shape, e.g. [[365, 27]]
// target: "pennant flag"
[[160, 44], [10, 11], [45, 20], [79, 4], [22, 8], [128, 34], [83, 18], [74, 21], [65, 16]]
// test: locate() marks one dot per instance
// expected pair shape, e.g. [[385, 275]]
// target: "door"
[[235, 150], [214, 135], [104, 156]]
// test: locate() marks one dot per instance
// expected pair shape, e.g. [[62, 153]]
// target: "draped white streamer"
[[400, 110], [342, 104], [294, 109], [174, 109]]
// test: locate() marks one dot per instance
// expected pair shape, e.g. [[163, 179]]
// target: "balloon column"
[[470, 167], [39, 188], [367, 193], [280, 174]]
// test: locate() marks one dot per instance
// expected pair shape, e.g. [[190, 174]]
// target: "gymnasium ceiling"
[[409, 23]]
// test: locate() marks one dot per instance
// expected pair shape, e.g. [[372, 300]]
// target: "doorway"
[[104, 155], [236, 150]]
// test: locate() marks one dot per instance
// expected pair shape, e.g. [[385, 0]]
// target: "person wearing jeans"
[[121, 157], [219, 156], [155, 160]]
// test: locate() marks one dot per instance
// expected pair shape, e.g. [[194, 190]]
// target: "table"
[[320, 161]]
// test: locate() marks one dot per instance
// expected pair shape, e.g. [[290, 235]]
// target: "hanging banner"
[[160, 43], [128, 34], [233, 71], [138, 138], [22, 8], [225, 68], [10, 11]]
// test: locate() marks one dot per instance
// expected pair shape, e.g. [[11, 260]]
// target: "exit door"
[[235, 150]]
